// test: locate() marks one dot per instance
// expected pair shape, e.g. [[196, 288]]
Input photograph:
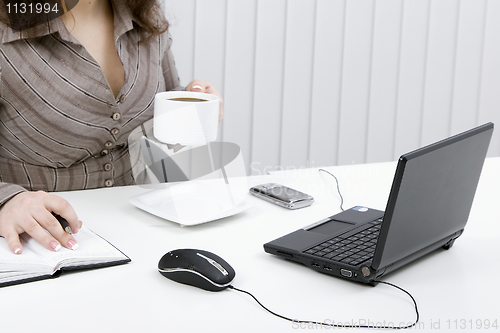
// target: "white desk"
[[452, 288]]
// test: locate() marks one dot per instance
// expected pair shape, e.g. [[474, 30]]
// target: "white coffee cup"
[[186, 117]]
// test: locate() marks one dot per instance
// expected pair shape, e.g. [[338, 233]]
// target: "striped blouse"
[[61, 127]]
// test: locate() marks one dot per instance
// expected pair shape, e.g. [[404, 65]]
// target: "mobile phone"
[[282, 195]]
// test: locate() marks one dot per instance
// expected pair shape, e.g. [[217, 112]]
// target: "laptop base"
[[290, 248]]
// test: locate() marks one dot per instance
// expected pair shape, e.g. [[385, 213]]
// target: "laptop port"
[[315, 265], [326, 268], [285, 254], [346, 273]]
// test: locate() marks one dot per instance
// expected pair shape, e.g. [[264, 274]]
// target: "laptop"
[[427, 209]]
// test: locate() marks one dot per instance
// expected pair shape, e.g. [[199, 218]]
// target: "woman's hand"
[[205, 87], [31, 212]]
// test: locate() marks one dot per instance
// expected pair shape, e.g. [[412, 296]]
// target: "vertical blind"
[[310, 83]]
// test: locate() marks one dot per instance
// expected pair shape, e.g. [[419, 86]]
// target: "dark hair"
[[147, 13]]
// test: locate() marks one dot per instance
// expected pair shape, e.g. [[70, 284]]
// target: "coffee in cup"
[[187, 99]]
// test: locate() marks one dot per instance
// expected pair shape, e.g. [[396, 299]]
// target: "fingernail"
[[80, 224], [73, 244], [197, 87], [55, 246], [17, 250]]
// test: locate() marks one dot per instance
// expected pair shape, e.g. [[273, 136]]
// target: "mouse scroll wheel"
[[219, 267], [215, 264]]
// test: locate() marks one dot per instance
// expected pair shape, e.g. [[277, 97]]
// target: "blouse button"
[[108, 183], [104, 152], [108, 144], [122, 98], [115, 131], [117, 116], [108, 166]]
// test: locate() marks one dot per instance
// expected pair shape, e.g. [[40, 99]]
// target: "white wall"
[[325, 82]]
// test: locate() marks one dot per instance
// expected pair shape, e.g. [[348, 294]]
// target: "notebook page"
[[92, 249], [20, 266]]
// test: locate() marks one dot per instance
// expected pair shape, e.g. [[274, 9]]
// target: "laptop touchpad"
[[347, 220], [331, 227]]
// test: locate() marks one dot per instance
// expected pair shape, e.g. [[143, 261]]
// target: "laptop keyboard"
[[354, 249]]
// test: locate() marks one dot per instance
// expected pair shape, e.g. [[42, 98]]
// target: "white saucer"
[[189, 204]]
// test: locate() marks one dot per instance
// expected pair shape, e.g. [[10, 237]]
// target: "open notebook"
[[36, 262]]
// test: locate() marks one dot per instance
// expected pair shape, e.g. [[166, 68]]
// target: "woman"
[[70, 92]]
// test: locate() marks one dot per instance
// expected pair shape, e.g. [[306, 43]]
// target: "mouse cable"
[[338, 188], [343, 325]]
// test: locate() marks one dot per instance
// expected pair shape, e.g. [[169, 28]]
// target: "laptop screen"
[[432, 194]]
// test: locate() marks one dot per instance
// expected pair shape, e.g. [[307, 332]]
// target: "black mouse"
[[197, 268]]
